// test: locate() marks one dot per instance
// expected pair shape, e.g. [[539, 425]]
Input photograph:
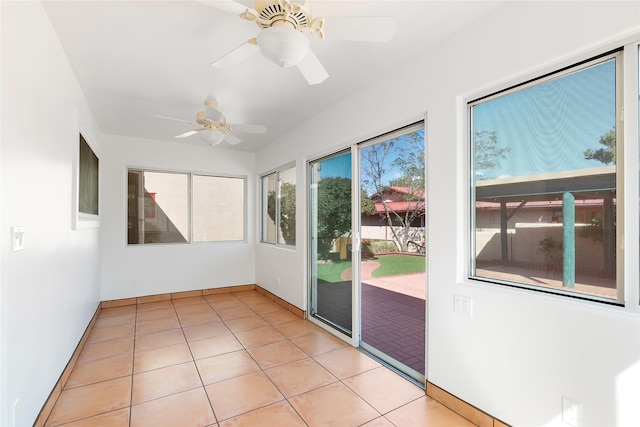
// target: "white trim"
[[554, 64], [279, 168], [356, 242], [427, 184], [365, 137], [260, 237], [81, 220], [190, 175], [407, 126], [631, 173], [629, 275]]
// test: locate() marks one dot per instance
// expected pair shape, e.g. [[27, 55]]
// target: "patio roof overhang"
[[593, 183]]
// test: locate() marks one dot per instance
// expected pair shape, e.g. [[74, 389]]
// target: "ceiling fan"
[[215, 127], [282, 40]]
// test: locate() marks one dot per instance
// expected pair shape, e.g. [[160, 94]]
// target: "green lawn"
[[331, 272], [391, 265]]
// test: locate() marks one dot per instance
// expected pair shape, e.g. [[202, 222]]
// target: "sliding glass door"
[[367, 246], [330, 241], [392, 251]]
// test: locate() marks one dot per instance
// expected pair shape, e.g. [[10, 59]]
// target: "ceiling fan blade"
[[186, 134], [173, 118], [379, 29], [241, 52], [312, 69], [249, 128], [232, 139], [229, 6]]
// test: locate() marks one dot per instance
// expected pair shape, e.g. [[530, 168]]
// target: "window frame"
[[264, 208], [83, 220], [517, 86], [263, 215], [190, 204]]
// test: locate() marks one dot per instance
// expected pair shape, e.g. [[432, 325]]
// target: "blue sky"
[[548, 126], [340, 166], [400, 146]]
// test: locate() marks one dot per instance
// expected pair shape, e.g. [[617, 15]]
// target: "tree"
[[405, 156], [552, 249], [488, 153], [367, 207], [595, 228], [287, 211], [334, 212], [607, 154]]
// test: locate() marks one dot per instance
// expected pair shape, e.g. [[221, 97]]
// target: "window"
[[269, 185], [86, 175], [279, 207], [218, 206], [88, 179], [169, 207], [544, 182]]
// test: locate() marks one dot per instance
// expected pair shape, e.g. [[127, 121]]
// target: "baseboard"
[[204, 292], [66, 373], [471, 413], [62, 380], [462, 408]]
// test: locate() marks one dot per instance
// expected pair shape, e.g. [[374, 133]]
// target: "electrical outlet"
[[17, 238], [571, 412], [278, 281], [134, 283]]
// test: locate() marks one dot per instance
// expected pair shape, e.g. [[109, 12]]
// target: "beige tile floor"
[[235, 359]]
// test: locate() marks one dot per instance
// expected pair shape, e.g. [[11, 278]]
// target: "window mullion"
[[278, 211], [190, 206]]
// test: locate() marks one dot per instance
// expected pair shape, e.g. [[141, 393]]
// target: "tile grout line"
[[133, 362], [286, 338], [246, 350], [310, 357], [286, 399], [262, 370], [195, 365], [234, 333]]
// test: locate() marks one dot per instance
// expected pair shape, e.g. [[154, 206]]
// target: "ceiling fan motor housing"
[[280, 13]]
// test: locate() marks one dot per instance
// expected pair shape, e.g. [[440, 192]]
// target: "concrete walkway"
[[407, 284]]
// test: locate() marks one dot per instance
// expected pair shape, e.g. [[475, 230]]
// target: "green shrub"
[[378, 246]]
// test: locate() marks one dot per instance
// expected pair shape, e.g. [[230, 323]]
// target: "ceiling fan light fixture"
[[283, 45], [211, 137]]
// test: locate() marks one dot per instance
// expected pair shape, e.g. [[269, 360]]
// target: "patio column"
[[609, 237], [503, 233], [568, 240]]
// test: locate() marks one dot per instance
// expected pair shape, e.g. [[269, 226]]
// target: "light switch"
[[17, 238], [463, 305]]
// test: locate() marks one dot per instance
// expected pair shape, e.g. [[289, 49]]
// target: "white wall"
[[514, 358], [165, 268], [521, 351], [49, 290]]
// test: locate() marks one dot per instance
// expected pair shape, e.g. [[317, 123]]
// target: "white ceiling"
[[136, 59]]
